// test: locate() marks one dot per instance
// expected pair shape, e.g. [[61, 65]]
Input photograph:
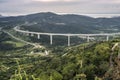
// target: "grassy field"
[[17, 44]]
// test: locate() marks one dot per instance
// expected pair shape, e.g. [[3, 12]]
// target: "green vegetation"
[[17, 44], [89, 61]]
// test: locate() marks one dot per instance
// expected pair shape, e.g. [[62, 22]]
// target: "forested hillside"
[[96, 60], [67, 23], [88, 61]]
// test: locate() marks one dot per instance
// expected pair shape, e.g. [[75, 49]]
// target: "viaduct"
[[87, 36]]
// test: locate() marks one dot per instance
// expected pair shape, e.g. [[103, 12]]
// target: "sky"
[[94, 8]]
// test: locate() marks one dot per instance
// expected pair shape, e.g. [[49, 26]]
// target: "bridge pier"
[[27, 34], [88, 39], [107, 38], [32, 34], [38, 36], [51, 39], [68, 40]]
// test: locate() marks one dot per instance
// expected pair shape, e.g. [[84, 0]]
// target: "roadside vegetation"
[[88, 61]]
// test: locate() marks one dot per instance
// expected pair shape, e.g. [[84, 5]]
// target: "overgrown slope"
[[86, 61]]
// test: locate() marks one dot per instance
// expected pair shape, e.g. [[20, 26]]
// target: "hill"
[[68, 23], [86, 61]]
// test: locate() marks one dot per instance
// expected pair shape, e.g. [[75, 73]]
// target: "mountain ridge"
[[66, 23]]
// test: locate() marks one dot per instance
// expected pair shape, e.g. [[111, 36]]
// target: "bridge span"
[[86, 36]]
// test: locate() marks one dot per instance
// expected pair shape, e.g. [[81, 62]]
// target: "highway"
[[26, 42], [83, 36], [18, 39], [63, 34]]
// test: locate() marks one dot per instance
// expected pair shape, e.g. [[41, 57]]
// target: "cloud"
[[54, 0], [44, 0], [16, 7]]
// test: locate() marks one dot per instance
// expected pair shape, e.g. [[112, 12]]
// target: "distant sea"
[[102, 15], [96, 15]]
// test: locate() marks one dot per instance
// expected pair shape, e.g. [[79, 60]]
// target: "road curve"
[[33, 44], [17, 28]]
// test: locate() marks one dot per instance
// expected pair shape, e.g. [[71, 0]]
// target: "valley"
[[26, 57]]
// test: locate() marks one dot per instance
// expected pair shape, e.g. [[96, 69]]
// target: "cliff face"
[[114, 72]]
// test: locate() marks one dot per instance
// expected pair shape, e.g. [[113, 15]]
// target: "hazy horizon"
[[93, 8], [89, 15]]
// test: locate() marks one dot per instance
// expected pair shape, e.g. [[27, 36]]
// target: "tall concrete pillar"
[[38, 36], [32, 34], [107, 38], [27, 34], [88, 39], [68, 40], [51, 39]]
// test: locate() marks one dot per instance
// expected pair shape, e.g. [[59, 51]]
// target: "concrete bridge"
[[86, 36]]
